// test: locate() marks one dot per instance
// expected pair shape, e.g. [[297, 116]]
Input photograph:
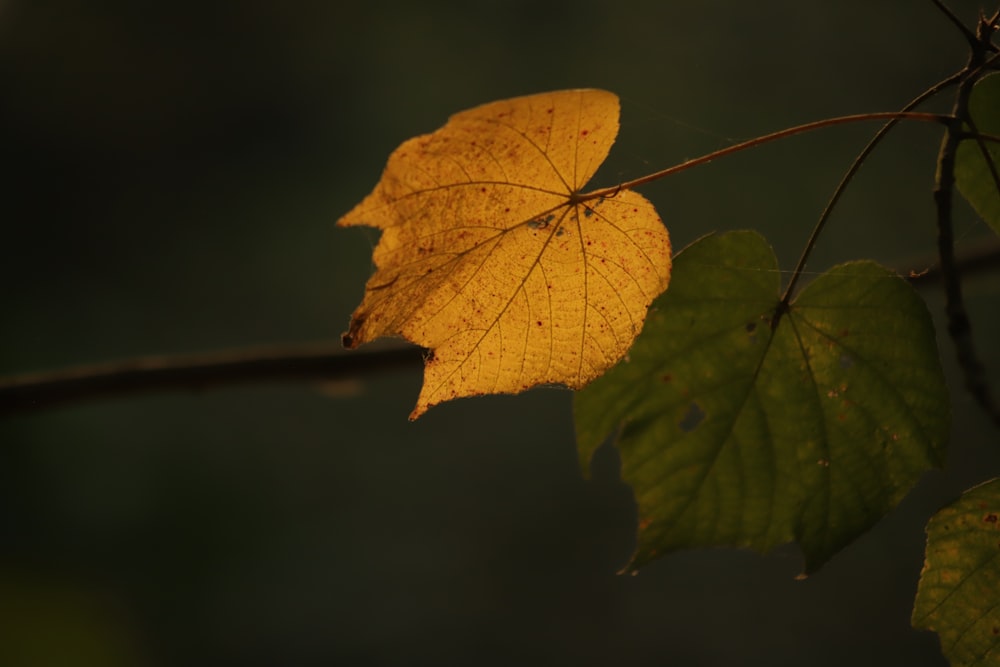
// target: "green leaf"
[[959, 592], [972, 172], [734, 434]]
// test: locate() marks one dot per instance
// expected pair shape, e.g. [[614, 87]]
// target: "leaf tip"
[[350, 338], [418, 410]]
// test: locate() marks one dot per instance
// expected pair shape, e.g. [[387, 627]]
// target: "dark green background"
[[173, 172]]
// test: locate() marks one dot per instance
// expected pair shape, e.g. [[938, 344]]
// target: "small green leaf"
[[972, 172], [959, 592], [734, 434]]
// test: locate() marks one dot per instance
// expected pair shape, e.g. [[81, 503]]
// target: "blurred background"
[[173, 175]]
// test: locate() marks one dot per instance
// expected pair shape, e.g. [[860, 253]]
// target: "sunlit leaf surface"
[[489, 258]]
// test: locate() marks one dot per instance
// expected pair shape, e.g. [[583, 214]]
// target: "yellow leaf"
[[492, 258]]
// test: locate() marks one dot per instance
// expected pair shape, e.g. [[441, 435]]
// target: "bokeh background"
[[173, 172]]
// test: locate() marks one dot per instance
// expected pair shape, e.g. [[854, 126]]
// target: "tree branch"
[[281, 363], [288, 363], [959, 326]]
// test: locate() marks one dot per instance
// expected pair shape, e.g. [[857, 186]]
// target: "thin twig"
[[751, 143], [846, 180], [970, 37], [978, 259]]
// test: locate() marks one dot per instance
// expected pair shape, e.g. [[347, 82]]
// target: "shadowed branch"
[[289, 363], [302, 363]]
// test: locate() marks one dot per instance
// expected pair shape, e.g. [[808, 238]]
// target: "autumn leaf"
[[738, 429], [493, 259], [959, 592]]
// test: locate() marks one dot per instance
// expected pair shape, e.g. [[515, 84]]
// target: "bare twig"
[[981, 258], [846, 180], [281, 363], [970, 36], [752, 143]]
